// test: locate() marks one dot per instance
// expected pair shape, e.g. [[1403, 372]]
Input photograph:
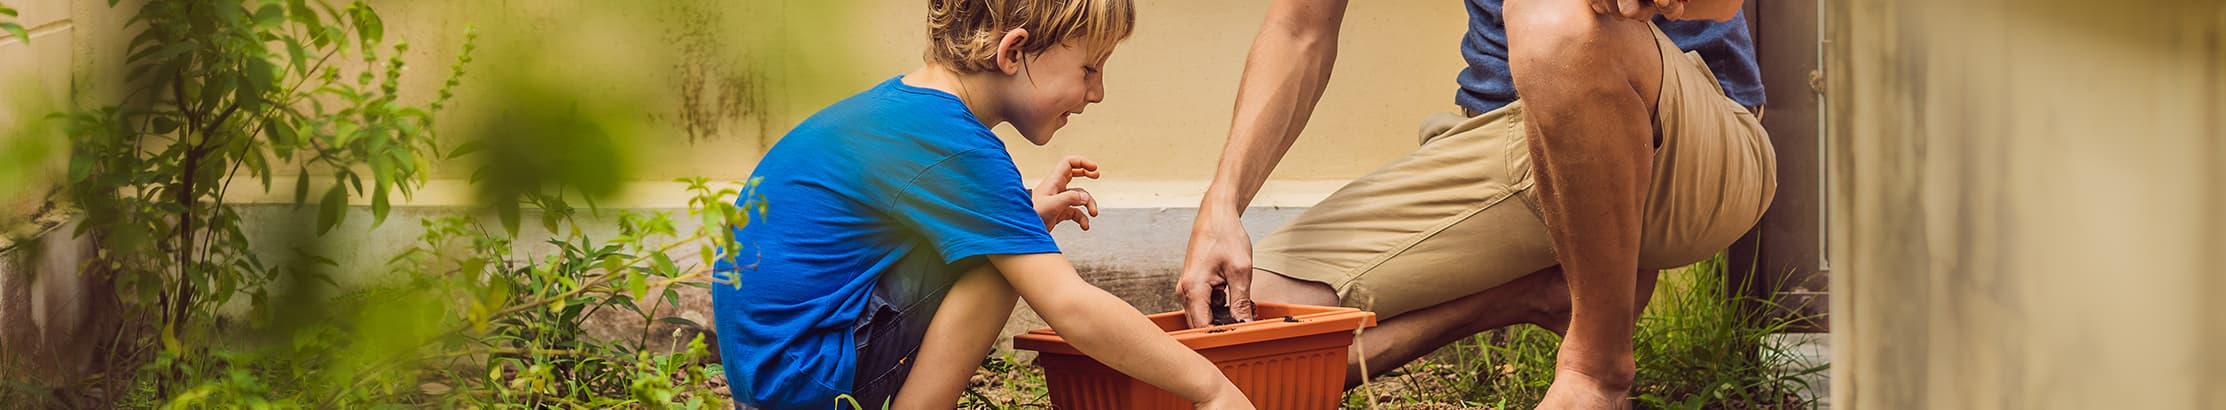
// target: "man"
[[1622, 155]]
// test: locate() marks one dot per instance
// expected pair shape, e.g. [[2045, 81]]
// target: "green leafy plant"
[[220, 90], [518, 335], [1697, 346]]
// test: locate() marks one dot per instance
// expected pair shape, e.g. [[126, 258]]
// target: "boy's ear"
[[1008, 51]]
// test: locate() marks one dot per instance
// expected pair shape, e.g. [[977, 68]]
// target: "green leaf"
[[164, 125], [680, 321], [636, 284], [216, 88], [282, 135], [664, 264], [331, 210], [80, 166], [259, 79], [508, 211], [301, 13], [269, 16], [368, 26], [296, 56], [17, 30], [467, 148], [379, 206], [301, 187], [625, 302]]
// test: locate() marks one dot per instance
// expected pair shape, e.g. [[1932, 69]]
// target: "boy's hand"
[[1055, 202]]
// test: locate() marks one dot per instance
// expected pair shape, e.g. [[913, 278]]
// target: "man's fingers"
[[1630, 9], [1671, 9], [1197, 305], [1240, 291]]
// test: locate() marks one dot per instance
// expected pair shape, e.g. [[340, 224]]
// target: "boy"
[[899, 232]]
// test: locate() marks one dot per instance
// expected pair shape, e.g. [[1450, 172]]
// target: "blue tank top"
[[1486, 84]]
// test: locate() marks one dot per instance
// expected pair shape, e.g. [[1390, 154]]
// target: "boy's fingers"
[[1083, 220], [1074, 162], [1075, 197], [1078, 161], [1089, 202]]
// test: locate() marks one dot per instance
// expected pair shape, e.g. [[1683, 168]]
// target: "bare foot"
[[1576, 390]]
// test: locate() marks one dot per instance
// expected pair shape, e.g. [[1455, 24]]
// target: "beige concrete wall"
[[717, 82], [2028, 204]]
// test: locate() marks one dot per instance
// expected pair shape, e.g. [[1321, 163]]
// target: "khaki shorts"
[[1459, 215]]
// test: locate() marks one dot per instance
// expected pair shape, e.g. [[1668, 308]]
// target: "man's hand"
[[1640, 10], [1220, 255], [1056, 203]]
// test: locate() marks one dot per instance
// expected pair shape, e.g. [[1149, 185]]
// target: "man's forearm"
[[1284, 76]]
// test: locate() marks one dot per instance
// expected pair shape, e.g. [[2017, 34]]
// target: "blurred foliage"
[[30, 144], [28, 154], [10, 27], [222, 89], [518, 336]]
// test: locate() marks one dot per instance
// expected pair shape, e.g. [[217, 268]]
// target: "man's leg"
[[1590, 82], [957, 339]]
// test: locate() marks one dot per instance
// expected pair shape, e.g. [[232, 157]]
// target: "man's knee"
[[1560, 48]]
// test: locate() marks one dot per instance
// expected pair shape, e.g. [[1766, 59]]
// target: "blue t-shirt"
[[1486, 84], [897, 180]]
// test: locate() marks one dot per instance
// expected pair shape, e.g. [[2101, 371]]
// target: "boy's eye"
[[1090, 69]]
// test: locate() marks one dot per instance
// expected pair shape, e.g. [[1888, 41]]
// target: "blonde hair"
[[963, 34]]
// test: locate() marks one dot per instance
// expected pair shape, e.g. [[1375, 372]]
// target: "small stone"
[[434, 389]]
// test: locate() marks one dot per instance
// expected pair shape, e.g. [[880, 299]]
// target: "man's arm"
[[1114, 333], [1283, 78]]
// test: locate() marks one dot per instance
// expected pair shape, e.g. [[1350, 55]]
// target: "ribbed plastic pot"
[[1290, 357]]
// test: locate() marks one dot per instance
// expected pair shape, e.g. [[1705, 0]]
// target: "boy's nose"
[[1097, 92]]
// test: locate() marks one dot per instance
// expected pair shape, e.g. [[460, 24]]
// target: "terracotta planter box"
[[1292, 357]]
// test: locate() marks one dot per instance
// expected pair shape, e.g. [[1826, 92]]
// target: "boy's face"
[[1060, 82]]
